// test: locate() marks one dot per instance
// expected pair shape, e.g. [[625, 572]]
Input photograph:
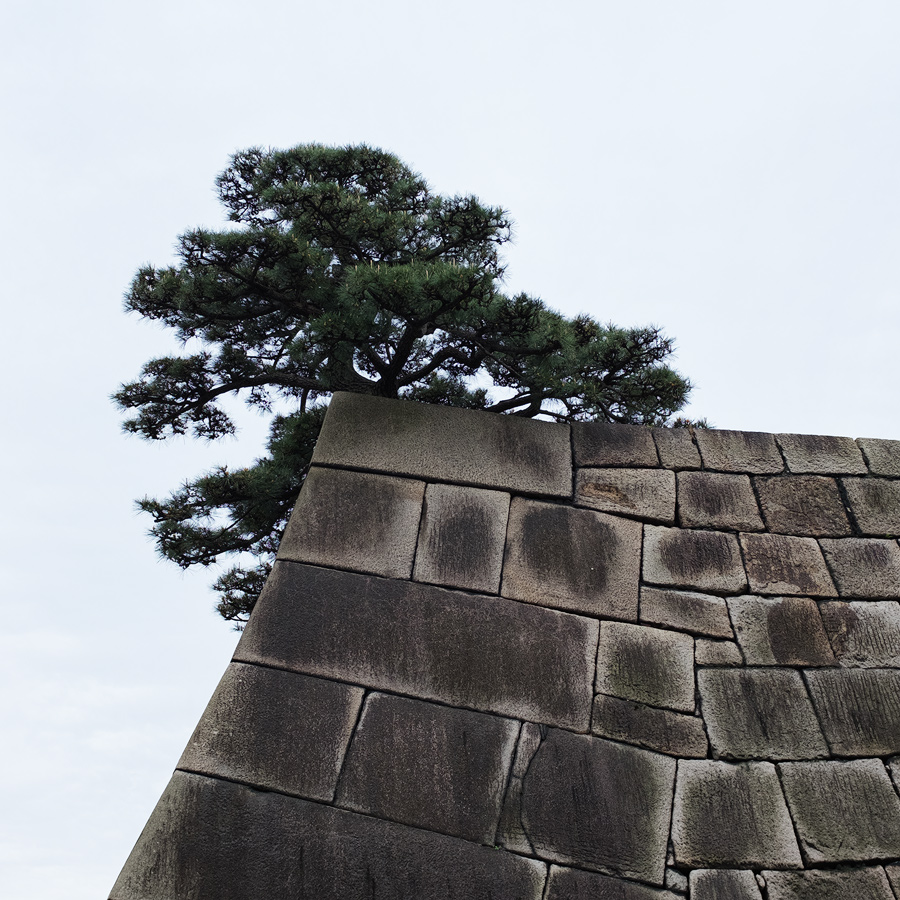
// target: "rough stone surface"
[[831, 884], [648, 665], [440, 443], [713, 500], [461, 538], [676, 448], [717, 653], [821, 454], [706, 560], [504, 657], [883, 456], [864, 634], [804, 505], [759, 714], [875, 504], [687, 611], [575, 884], [511, 832], [656, 729], [602, 444], [454, 770], [843, 811], [641, 493], [864, 567], [574, 559], [777, 564], [724, 884], [750, 452], [355, 520], [893, 874], [731, 815]]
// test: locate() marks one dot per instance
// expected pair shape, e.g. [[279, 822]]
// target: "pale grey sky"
[[728, 171]]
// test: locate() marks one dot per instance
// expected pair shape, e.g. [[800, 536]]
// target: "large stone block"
[[777, 564], [431, 766], [733, 816], [843, 811], [864, 567], [714, 500], [759, 714], [355, 520], [676, 448], [275, 730], [864, 634], [576, 884], [605, 444], [574, 559], [724, 884], [804, 505], [440, 443], [821, 454], [640, 493], [706, 560], [211, 838], [829, 884], [875, 504], [882, 456], [461, 538], [463, 649], [753, 452], [646, 726], [687, 611]]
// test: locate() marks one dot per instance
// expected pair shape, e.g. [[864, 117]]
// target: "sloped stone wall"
[[500, 658]]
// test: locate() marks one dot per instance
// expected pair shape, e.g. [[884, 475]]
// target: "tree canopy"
[[342, 270]]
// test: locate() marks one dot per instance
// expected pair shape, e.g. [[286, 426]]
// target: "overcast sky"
[[728, 171]]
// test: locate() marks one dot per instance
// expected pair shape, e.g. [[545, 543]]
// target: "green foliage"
[[342, 271]]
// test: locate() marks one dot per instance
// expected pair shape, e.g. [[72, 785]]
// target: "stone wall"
[[500, 658]]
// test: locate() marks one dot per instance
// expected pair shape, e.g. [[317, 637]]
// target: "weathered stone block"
[[780, 631], [687, 611], [829, 884], [759, 714], [875, 504], [713, 500], [706, 560], [821, 454], [440, 443], [431, 766], [511, 832], [275, 730], [214, 838], [717, 653], [864, 567], [777, 564], [882, 456], [731, 816], [576, 884], [574, 559], [843, 811], [724, 884], [355, 520], [753, 452], [656, 729], [523, 661], [805, 505], [893, 873], [864, 634], [606, 444], [676, 448], [461, 538], [645, 664], [640, 493]]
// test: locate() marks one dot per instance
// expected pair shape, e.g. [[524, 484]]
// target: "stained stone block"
[[864, 634], [777, 564], [641, 493], [883, 456], [875, 504], [717, 653], [821, 454], [706, 560], [731, 816], [355, 520], [759, 714], [724, 884], [491, 655], [605, 444], [867, 883], [712, 500], [511, 832], [574, 559], [686, 611], [780, 631], [656, 729], [648, 665], [864, 567], [461, 537], [843, 811], [753, 452], [430, 766], [275, 730], [676, 448], [805, 505], [576, 884], [859, 709]]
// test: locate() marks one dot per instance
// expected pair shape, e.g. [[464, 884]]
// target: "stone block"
[[859, 709], [648, 665], [431, 766], [574, 559], [717, 653], [440, 443], [867, 883], [687, 611], [607, 444], [511, 832], [676, 448], [804, 505], [599, 805], [819, 454], [640, 493], [705, 560], [882, 456], [275, 730], [864, 634], [517, 660], [214, 838], [843, 811], [759, 714], [778, 564], [780, 631], [724, 884], [875, 504], [461, 537], [864, 567], [646, 726], [752, 452], [576, 884], [733, 816], [714, 500], [355, 520], [893, 874]]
